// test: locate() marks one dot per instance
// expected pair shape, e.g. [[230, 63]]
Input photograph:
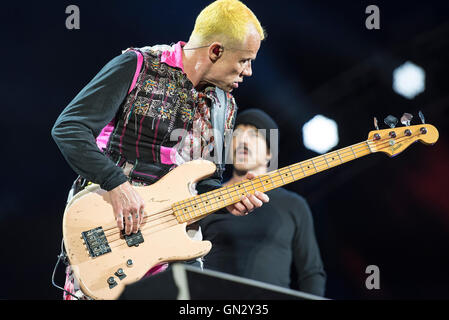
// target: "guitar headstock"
[[395, 140]]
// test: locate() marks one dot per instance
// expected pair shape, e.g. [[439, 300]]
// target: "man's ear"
[[215, 51]]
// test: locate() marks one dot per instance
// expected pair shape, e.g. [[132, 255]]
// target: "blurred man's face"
[[249, 148]]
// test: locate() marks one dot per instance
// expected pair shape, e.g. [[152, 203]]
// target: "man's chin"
[[228, 88], [243, 167]]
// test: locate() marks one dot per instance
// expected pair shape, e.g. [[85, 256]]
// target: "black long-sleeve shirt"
[[275, 243], [87, 114]]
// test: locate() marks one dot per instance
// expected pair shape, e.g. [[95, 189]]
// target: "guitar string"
[[113, 227], [362, 146], [343, 153], [247, 183], [320, 161], [173, 222], [123, 241], [359, 147], [146, 222]]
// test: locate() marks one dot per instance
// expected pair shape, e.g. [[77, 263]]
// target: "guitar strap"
[[138, 68]]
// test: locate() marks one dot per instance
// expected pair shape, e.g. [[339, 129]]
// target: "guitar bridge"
[[96, 242]]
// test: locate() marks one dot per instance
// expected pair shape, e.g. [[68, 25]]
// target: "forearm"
[[79, 149], [87, 114]]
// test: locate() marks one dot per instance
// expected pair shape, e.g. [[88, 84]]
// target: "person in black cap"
[[275, 244]]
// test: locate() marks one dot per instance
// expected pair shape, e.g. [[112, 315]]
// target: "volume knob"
[[111, 282]]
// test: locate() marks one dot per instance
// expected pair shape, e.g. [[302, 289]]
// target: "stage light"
[[320, 134], [409, 80]]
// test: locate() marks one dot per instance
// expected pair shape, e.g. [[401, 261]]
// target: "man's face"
[[249, 148], [235, 63]]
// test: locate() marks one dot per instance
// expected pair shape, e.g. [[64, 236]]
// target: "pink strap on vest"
[[103, 137], [139, 66]]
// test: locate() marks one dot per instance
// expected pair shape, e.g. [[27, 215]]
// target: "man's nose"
[[248, 71]]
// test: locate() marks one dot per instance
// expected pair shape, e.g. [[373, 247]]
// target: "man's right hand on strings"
[[128, 207]]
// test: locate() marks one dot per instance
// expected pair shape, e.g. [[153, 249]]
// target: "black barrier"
[[184, 282]]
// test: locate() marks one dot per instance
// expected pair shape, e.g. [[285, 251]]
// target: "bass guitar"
[[104, 259]]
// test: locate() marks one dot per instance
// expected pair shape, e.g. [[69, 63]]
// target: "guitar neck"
[[197, 207]]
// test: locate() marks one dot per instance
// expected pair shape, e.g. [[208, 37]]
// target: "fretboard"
[[197, 207]]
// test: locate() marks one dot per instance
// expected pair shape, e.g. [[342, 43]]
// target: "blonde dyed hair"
[[227, 21]]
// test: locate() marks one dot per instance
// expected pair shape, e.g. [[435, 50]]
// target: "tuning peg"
[[406, 118], [421, 116], [375, 124], [391, 121]]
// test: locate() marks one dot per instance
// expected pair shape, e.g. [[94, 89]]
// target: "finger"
[[138, 211], [249, 206], [255, 201], [262, 196], [134, 211], [129, 223], [119, 220], [126, 212], [142, 212], [142, 215], [250, 175], [135, 220], [240, 207], [232, 209]]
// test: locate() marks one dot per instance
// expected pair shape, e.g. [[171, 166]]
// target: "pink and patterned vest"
[[164, 121]]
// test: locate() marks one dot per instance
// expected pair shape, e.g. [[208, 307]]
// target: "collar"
[[173, 56]]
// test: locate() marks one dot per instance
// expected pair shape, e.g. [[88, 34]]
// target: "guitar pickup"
[[134, 239]]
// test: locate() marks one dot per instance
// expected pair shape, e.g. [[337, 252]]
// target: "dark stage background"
[[319, 58]]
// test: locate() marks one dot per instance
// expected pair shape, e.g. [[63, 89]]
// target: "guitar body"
[[96, 248]]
